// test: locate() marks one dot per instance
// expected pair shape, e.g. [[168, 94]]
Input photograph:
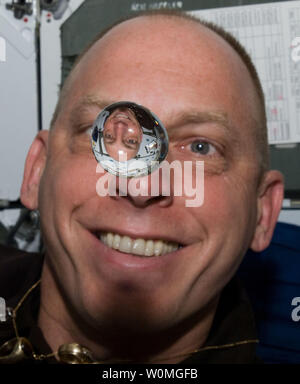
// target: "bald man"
[[179, 305], [122, 134]]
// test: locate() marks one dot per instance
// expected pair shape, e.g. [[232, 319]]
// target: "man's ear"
[[34, 167], [269, 202]]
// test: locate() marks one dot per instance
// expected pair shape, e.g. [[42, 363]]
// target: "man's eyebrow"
[[178, 119], [198, 117], [87, 102], [93, 100]]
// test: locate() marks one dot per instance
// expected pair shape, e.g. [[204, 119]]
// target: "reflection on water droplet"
[[129, 140]]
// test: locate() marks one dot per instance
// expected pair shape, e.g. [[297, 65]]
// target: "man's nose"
[[146, 190]]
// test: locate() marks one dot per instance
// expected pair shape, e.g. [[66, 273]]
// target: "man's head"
[[122, 134], [203, 93]]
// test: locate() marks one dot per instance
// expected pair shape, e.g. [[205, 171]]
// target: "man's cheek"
[[242, 188], [195, 179], [70, 182], [193, 184], [241, 198], [223, 199], [216, 166]]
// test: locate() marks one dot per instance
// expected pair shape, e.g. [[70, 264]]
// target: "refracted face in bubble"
[[122, 134]]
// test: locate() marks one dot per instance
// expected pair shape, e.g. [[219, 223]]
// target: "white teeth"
[[149, 248], [139, 247], [125, 244], [116, 242], [103, 238], [110, 239], [158, 247]]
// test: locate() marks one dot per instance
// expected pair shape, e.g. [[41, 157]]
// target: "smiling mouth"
[[139, 247]]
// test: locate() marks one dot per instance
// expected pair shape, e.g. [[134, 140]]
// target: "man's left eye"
[[202, 147], [132, 141]]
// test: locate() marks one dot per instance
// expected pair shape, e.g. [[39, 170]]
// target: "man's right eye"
[[202, 147], [109, 138], [132, 143], [198, 147]]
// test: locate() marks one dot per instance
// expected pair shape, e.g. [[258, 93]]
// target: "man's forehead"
[[143, 36], [158, 24], [162, 42], [113, 42]]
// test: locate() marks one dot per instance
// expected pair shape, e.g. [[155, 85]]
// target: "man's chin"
[[120, 320]]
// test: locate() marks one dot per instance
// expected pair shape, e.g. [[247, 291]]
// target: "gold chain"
[[14, 320], [15, 310], [83, 351]]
